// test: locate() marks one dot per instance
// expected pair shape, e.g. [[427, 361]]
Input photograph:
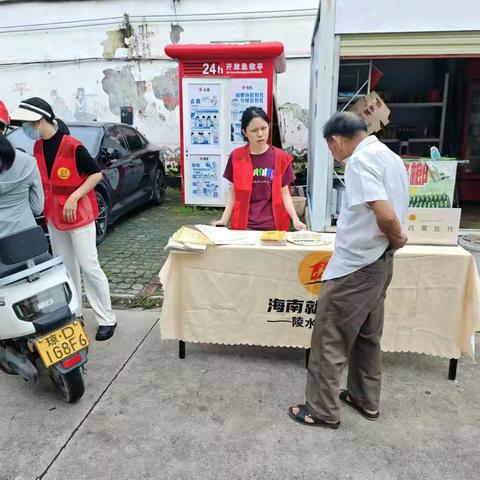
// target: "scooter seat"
[[18, 248], [7, 270]]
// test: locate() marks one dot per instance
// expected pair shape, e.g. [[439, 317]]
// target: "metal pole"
[[307, 357], [355, 95], [452, 369], [444, 112], [370, 66]]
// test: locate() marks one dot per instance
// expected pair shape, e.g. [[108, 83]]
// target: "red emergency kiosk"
[[217, 83]]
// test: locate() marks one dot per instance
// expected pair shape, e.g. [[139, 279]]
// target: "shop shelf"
[[410, 140], [347, 99], [415, 105], [423, 140]]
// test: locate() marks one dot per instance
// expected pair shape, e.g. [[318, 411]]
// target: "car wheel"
[[159, 187], [101, 224]]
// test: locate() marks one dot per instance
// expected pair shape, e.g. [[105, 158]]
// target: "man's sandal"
[[300, 417], [347, 400]]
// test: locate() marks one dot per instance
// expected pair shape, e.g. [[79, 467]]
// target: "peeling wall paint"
[[103, 67], [154, 100], [123, 90], [293, 121], [142, 40], [170, 157], [87, 107], [114, 41], [120, 42], [95, 91]]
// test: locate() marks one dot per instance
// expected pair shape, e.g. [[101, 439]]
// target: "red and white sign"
[[232, 67], [226, 69], [217, 83]]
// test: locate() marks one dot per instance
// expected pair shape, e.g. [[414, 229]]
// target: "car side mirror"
[[114, 153], [109, 155]]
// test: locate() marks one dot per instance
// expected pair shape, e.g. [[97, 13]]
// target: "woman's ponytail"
[[62, 127]]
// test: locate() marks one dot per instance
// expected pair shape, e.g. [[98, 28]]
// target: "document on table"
[[176, 246], [188, 234], [188, 239], [225, 236]]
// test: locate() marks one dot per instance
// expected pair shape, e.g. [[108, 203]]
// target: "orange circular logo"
[[412, 217], [63, 173], [310, 270]]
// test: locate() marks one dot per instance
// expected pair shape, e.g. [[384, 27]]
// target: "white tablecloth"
[[259, 295]]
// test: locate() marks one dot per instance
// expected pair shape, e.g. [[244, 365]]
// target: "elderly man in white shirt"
[[350, 312]]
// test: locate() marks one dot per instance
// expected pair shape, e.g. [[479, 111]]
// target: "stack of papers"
[[175, 246], [188, 239], [187, 234], [224, 236]]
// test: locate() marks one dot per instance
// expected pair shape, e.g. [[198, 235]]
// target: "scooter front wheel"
[[70, 384]]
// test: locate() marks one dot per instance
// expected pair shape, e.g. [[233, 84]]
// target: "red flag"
[[375, 77]]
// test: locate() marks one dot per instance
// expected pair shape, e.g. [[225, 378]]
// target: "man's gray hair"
[[345, 124]]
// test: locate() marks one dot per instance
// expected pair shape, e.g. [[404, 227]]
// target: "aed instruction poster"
[[204, 114], [205, 178], [244, 93]]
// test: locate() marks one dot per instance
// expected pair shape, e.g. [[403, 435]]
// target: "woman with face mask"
[[69, 176], [21, 193]]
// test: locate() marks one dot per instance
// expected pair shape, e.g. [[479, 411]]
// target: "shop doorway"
[[433, 102]]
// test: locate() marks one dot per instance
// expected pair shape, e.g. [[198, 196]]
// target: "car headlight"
[[44, 302]]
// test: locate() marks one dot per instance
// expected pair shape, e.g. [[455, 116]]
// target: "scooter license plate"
[[61, 343]]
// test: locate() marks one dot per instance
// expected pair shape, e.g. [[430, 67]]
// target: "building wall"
[[406, 16], [88, 58]]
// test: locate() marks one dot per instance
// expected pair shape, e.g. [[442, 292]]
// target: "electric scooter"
[[38, 326]]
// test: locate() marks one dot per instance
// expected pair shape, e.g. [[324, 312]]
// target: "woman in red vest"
[[69, 176], [260, 175]]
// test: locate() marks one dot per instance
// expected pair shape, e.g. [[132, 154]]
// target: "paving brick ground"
[[132, 254]]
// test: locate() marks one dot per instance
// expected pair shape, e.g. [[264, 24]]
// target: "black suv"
[[133, 171]]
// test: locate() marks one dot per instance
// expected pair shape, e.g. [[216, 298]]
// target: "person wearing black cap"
[[69, 176]]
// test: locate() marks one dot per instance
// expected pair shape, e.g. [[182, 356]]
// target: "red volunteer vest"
[[64, 180], [242, 186]]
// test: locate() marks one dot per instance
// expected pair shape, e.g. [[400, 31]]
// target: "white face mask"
[[29, 131]]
